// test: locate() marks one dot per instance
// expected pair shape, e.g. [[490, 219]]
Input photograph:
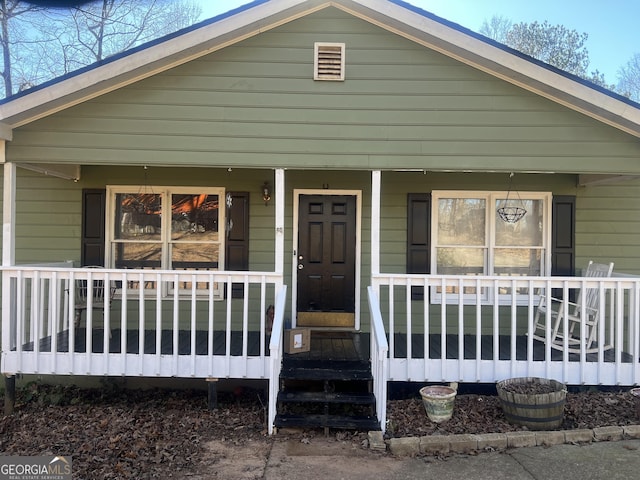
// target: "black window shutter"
[[237, 247], [418, 237], [563, 236], [93, 214]]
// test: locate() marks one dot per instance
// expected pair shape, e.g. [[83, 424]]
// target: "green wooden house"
[[344, 161]]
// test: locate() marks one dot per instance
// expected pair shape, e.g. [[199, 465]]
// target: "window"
[[469, 238], [179, 228]]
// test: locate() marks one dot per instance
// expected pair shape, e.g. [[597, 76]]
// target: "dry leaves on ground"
[[115, 433]]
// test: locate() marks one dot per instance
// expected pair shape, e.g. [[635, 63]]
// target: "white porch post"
[[8, 248], [375, 223], [8, 213], [279, 231]]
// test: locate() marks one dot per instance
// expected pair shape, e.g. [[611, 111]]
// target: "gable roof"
[[259, 16]]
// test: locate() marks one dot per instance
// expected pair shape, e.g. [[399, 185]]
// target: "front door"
[[326, 260]]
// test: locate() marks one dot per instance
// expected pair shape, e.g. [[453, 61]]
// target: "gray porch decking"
[[166, 343], [324, 345]]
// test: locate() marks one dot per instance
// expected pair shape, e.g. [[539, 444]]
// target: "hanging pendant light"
[[511, 211]]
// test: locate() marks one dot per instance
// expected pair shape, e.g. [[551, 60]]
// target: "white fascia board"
[[134, 67], [486, 57], [6, 132]]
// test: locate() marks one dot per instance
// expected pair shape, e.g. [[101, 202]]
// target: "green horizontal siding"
[[608, 225], [254, 104]]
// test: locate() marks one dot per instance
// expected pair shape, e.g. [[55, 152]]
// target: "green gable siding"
[[255, 104]]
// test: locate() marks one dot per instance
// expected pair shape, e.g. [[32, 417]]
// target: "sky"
[[612, 25]]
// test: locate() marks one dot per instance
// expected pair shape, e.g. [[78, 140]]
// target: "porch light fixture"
[[266, 193], [511, 211]]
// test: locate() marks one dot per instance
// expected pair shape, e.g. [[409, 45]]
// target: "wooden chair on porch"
[[100, 294], [575, 316]]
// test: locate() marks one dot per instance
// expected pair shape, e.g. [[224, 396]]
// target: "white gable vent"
[[329, 61]]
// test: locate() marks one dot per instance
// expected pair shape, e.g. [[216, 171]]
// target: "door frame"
[[297, 192]]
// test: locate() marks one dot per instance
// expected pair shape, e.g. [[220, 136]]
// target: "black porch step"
[[327, 397], [325, 373], [364, 423]]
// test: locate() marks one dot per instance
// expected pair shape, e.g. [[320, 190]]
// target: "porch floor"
[[325, 345], [166, 342]]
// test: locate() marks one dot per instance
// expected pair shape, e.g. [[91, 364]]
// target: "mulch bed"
[[588, 408], [117, 433]]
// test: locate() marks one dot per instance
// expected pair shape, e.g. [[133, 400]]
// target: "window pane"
[[194, 217], [460, 261], [138, 216], [194, 255], [461, 221], [517, 261], [527, 231], [137, 255]]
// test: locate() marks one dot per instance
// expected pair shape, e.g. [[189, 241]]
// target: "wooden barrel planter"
[[536, 403], [635, 392]]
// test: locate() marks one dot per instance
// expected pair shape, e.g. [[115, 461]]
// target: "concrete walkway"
[[321, 459]]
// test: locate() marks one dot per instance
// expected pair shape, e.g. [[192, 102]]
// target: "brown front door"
[[326, 260]]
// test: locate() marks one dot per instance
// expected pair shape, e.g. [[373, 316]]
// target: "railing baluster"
[[53, 312], [478, 296], [159, 289], [513, 327], [392, 316], [194, 312], [123, 320], [427, 325], [496, 328], [409, 330], [141, 322], [175, 333], [210, 324], [460, 330]]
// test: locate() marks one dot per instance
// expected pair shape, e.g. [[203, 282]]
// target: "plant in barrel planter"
[[635, 392], [536, 403]]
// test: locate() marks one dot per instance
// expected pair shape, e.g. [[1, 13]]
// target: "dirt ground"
[[117, 433]]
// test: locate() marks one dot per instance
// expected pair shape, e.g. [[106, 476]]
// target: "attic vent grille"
[[329, 61]]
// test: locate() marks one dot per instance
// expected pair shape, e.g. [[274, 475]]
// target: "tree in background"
[[559, 47], [13, 34], [54, 42], [552, 44], [497, 28], [629, 78]]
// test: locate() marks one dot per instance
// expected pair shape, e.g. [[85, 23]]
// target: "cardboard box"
[[297, 340]]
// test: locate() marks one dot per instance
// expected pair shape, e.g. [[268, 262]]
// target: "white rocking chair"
[[575, 316]]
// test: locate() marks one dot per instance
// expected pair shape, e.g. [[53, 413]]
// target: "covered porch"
[[462, 328]]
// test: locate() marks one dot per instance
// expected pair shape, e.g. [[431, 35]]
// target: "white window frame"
[[165, 193], [488, 296]]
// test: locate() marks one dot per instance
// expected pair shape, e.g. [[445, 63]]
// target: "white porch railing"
[[479, 329], [159, 323], [275, 347], [379, 358]]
